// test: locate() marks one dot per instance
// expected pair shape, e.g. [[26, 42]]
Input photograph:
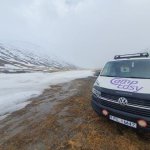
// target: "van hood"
[[125, 84]]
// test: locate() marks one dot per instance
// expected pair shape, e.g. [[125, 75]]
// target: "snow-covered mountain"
[[13, 59]]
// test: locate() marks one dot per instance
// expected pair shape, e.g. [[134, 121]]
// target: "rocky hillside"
[[19, 60]]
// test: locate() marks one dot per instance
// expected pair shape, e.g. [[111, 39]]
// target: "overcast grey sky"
[[84, 32]]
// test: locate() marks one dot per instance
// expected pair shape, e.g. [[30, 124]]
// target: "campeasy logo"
[[127, 84]]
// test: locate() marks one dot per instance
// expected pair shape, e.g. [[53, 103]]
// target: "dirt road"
[[62, 118]]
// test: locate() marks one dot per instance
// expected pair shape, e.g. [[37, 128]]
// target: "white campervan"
[[122, 90]]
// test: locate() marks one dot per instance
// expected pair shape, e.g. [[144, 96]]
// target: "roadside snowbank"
[[16, 89]]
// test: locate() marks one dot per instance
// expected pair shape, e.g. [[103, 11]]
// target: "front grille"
[[131, 100], [128, 109]]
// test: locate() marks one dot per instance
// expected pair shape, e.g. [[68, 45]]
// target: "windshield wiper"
[[107, 76], [137, 77]]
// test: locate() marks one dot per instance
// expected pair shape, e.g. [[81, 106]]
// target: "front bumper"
[[121, 114]]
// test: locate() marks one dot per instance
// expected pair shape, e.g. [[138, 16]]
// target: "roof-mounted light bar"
[[137, 55]]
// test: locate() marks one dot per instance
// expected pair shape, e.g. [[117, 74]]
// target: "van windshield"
[[128, 69]]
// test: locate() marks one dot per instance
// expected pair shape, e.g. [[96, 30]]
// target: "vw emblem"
[[123, 101]]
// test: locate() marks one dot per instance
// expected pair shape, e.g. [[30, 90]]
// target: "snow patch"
[[16, 89]]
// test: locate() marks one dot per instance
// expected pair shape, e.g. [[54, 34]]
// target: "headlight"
[[96, 83], [96, 92]]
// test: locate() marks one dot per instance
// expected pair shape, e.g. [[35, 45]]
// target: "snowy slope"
[[16, 89], [15, 59]]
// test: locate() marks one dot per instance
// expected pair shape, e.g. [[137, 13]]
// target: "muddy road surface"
[[62, 119]]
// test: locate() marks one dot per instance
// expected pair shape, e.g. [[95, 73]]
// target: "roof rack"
[[137, 55]]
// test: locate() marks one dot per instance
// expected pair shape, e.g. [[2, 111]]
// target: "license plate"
[[122, 121]]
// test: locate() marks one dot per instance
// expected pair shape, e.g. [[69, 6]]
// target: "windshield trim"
[[123, 77]]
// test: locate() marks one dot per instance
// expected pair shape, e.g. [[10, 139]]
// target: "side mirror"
[[97, 73]]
